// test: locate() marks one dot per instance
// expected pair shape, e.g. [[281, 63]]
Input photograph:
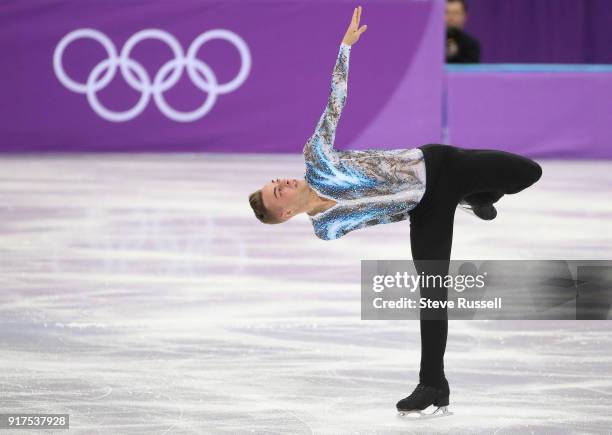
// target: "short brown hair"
[[261, 212]]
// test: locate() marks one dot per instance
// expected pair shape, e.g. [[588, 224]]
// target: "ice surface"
[[140, 295]]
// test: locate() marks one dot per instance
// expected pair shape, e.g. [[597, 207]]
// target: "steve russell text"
[[409, 303]]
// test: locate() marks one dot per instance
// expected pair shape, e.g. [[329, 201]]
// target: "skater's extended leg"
[[483, 176], [482, 198], [482, 173]]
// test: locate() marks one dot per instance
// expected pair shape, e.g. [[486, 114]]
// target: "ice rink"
[[141, 295]]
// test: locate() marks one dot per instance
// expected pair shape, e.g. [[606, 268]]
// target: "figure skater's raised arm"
[[325, 130]]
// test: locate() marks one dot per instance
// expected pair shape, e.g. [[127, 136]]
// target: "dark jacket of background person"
[[468, 46]]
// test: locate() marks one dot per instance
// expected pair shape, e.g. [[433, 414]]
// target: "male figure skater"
[[346, 190]]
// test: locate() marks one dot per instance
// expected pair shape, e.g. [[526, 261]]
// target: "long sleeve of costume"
[[321, 143]]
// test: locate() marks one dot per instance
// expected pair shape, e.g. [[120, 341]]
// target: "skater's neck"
[[317, 204]]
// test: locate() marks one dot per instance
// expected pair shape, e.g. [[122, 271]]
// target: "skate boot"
[[485, 212], [422, 397], [481, 204]]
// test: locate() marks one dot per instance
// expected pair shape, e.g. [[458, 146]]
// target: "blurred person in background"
[[461, 47]]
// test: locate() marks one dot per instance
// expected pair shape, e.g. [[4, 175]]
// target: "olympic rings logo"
[[138, 79]]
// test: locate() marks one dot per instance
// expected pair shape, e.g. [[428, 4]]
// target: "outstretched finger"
[[363, 29], [354, 20]]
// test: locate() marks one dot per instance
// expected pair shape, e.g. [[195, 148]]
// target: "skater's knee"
[[530, 173], [536, 172]]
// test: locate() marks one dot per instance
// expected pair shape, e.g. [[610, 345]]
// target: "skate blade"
[[467, 209], [418, 414]]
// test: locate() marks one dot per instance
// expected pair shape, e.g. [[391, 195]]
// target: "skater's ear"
[[287, 214]]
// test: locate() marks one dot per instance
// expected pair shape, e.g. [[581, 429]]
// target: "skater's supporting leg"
[[431, 234]]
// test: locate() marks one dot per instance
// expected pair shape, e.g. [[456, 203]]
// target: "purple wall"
[[542, 31], [263, 88], [539, 114], [288, 53]]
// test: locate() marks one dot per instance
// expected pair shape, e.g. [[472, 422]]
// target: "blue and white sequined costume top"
[[371, 187]]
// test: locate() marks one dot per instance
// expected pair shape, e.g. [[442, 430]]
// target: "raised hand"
[[354, 31]]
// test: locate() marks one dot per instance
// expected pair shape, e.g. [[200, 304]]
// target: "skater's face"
[[284, 196], [455, 14]]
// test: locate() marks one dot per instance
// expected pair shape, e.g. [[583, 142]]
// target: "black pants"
[[454, 174]]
